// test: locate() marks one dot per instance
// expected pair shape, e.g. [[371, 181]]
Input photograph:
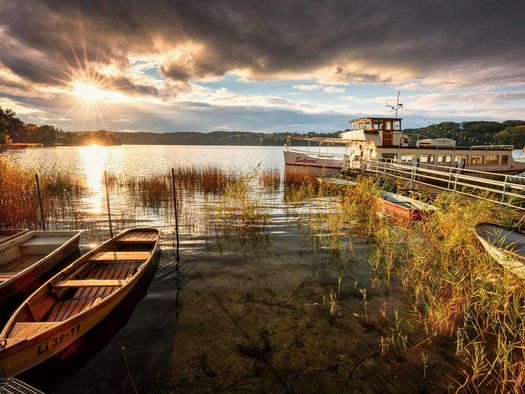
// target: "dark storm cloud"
[[266, 37], [124, 85]]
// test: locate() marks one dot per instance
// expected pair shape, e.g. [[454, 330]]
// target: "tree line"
[[13, 130], [509, 132]]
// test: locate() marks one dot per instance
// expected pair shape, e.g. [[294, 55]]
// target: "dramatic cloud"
[[358, 40], [165, 50]]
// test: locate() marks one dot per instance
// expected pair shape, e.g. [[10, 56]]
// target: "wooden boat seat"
[[30, 329], [91, 283], [136, 240], [120, 256]]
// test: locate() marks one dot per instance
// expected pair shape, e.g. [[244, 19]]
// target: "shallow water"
[[247, 307]]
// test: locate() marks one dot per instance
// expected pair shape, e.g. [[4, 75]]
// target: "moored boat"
[[75, 300], [8, 235], [401, 209], [27, 259], [506, 245], [382, 139]]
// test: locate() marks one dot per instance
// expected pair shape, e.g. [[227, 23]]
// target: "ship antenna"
[[398, 105]]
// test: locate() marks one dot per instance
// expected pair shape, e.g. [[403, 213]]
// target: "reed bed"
[[240, 218], [459, 301], [271, 179], [18, 195]]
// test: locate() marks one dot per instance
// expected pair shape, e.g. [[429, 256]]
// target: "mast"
[[397, 103]]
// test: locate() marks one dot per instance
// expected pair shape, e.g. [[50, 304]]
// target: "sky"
[[287, 66]]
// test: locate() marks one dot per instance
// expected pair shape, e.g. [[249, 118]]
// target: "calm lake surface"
[[247, 307], [148, 159]]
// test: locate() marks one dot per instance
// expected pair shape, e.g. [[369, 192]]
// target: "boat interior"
[[24, 251], [86, 282], [502, 237], [405, 202]]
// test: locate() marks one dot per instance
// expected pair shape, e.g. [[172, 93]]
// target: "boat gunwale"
[[19, 232]]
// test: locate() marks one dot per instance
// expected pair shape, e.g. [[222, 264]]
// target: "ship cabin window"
[[368, 126], [460, 159], [361, 126], [505, 159], [444, 159], [426, 159], [476, 159], [492, 159], [397, 125], [377, 125], [388, 125], [389, 156], [408, 158]]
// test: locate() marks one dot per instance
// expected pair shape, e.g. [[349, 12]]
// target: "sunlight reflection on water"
[[93, 162]]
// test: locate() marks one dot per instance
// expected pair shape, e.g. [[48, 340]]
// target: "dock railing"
[[500, 188]]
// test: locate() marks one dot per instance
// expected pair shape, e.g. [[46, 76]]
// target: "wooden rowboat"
[[27, 259], [506, 245], [75, 300], [8, 235], [401, 209]]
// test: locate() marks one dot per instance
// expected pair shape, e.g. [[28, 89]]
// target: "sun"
[[89, 92]]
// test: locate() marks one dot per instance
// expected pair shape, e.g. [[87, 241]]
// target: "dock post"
[[107, 203], [42, 218], [176, 212], [504, 189]]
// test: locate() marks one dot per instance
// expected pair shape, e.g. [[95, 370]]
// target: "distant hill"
[[509, 132], [212, 138]]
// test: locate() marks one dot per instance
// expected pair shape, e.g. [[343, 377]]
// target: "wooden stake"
[[40, 203], [176, 211], [107, 202]]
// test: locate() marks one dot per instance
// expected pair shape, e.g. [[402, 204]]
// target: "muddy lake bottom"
[[245, 314]]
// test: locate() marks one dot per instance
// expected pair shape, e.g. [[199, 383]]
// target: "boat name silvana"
[[305, 160]]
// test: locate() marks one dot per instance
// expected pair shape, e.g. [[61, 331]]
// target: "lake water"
[[247, 307], [244, 310], [147, 159]]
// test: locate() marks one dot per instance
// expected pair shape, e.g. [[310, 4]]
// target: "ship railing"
[[316, 151], [503, 189]]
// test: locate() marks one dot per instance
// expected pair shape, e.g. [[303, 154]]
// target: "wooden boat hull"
[[19, 355], [509, 259], [40, 349], [8, 235], [26, 281]]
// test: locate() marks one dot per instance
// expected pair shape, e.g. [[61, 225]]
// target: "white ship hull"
[[305, 164]]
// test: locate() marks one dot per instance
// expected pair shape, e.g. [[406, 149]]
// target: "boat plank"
[[116, 256], [91, 283]]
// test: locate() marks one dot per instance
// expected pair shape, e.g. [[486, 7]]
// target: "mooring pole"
[[176, 211], [40, 203], [107, 203]]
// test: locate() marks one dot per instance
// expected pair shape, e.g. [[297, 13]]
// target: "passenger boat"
[[401, 209], [26, 259], [382, 139], [75, 300], [8, 235], [506, 245]]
